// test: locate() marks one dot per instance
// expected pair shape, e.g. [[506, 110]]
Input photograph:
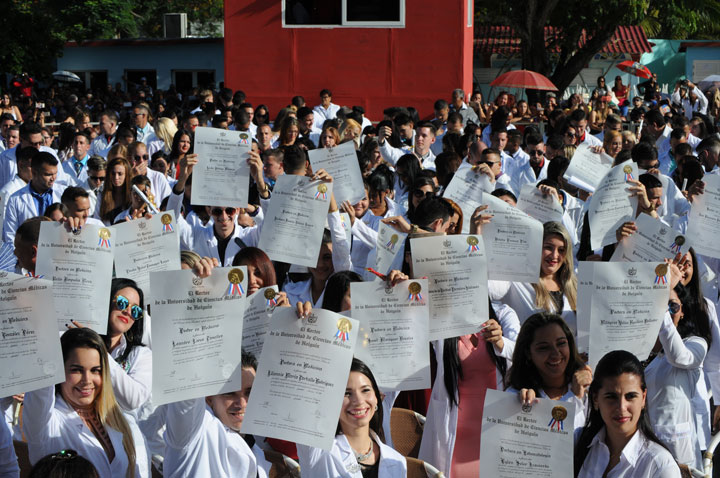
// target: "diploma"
[[342, 164], [30, 355], [539, 206], [294, 222], [513, 242], [197, 335], [394, 332], [587, 168], [611, 204], [390, 249], [457, 284], [222, 175], [259, 308], [654, 241], [704, 219], [584, 303], [80, 266], [143, 246], [629, 302], [532, 441], [466, 188], [301, 378]]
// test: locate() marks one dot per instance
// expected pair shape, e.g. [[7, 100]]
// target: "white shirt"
[[671, 380], [590, 140], [8, 461], [392, 154], [364, 232], [513, 162], [51, 425], [486, 133], [340, 461], [700, 105], [641, 458], [132, 381], [100, 145], [198, 444], [322, 114], [8, 165], [74, 179], [201, 239], [521, 297], [158, 185], [8, 190], [143, 135], [21, 206]]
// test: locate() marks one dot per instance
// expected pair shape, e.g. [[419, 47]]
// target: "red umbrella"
[[634, 68], [524, 79]]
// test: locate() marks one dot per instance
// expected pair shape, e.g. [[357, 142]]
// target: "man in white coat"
[[76, 167], [33, 199], [326, 110]]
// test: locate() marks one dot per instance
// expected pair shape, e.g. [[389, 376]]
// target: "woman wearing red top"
[[621, 93]]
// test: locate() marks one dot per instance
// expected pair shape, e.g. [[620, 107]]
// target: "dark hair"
[[28, 128], [248, 360], [262, 263], [71, 193], [376, 422], [294, 159], [41, 159], [336, 287], [697, 306], [420, 181], [25, 154], [411, 165], [612, 365], [644, 151], [500, 192], [523, 373], [97, 163], [555, 142], [56, 206], [63, 464], [430, 210], [452, 366], [557, 167], [649, 181], [578, 115], [134, 335], [381, 179]]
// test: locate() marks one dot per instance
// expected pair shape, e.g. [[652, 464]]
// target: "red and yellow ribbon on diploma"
[[166, 220], [343, 329], [104, 234], [321, 192], [660, 273], [558, 415], [235, 276], [415, 296], [270, 297], [473, 244], [628, 173]]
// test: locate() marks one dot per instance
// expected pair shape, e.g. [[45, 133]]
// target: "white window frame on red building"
[[345, 23]]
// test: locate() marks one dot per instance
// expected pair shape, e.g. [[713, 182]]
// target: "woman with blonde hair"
[[613, 143], [350, 130], [117, 187], [329, 138], [165, 130], [82, 413], [556, 288]]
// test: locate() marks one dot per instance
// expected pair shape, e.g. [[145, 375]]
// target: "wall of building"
[[372, 67], [116, 56]]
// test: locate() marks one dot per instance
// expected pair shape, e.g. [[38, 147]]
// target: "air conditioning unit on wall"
[[175, 25]]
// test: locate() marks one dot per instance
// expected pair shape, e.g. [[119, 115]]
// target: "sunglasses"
[[419, 193], [537, 152], [122, 303], [674, 307], [97, 178], [141, 157], [216, 211], [489, 163]]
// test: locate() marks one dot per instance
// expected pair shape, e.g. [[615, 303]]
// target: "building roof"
[[501, 39], [145, 42], [698, 44]]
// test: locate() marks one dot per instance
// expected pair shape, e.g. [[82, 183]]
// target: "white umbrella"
[[68, 76], [709, 82]]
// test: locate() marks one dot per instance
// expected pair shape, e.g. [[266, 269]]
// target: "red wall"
[[372, 67]]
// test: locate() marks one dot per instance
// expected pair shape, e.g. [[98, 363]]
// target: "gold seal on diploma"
[[235, 276], [269, 294], [104, 233], [661, 270], [472, 240], [394, 238], [627, 169], [414, 288], [680, 240], [559, 413], [322, 188], [166, 219], [344, 325]]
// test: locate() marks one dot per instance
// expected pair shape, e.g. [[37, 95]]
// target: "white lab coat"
[[201, 239], [8, 165], [159, 185], [521, 297], [8, 190], [132, 383], [340, 461], [320, 114], [641, 458], [21, 206], [51, 425], [197, 444], [8, 461], [73, 179], [440, 431], [671, 380], [100, 145], [364, 231]]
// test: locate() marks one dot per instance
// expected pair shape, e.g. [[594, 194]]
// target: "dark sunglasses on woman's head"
[[674, 307], [216, 211], [122, 303]]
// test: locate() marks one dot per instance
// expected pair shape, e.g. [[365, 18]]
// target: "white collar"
[[630, 452], [117, 351]]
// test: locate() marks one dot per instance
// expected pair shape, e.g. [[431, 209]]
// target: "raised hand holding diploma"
[[341, 163], [197, 331], [30, 355], [80, 265], [222, 175], [648, 239], [534, 438], [704, 219], [394, 323], [466, 188], [587, 168], [301, 377], [612, 205], [541, 203]]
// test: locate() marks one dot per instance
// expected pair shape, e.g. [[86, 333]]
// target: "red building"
[[373, 53]]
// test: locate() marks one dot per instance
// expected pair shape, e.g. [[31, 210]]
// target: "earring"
[[376, 407]]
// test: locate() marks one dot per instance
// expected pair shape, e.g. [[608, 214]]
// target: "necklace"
[[363, 456]]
